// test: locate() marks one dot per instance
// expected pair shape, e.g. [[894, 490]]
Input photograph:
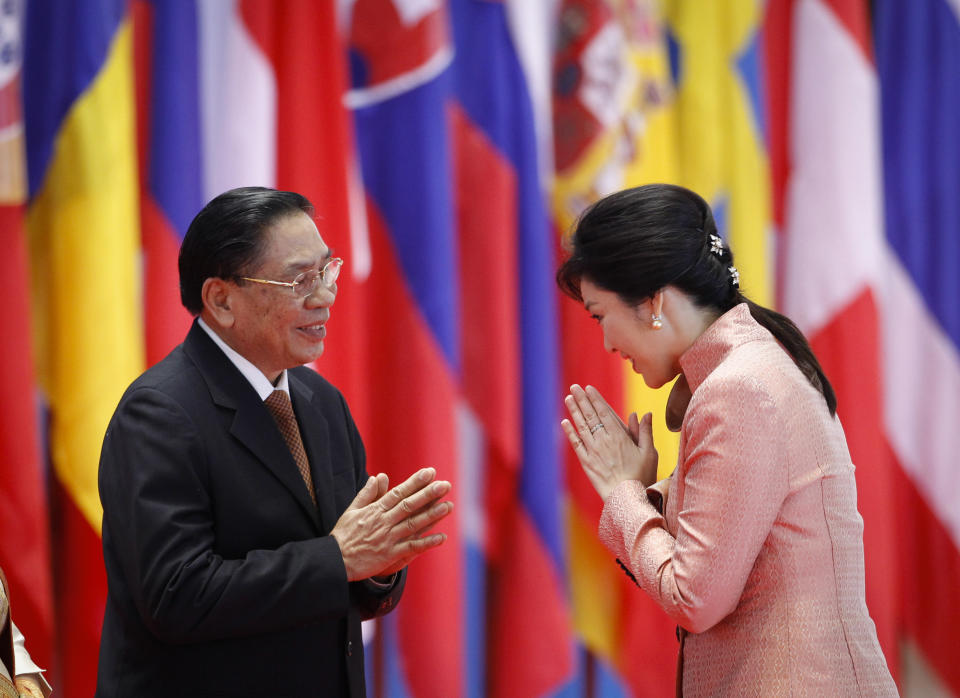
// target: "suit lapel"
[[253, 426], [315, 433]]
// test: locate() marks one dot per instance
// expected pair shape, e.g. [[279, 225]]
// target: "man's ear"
[[217, 296]]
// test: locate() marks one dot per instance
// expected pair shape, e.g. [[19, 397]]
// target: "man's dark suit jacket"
[[223, 580]]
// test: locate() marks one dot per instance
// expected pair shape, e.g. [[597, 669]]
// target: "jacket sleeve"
[[159, 539], [733, 487]]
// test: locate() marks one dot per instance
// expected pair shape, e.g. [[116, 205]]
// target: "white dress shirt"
[[253, 374]]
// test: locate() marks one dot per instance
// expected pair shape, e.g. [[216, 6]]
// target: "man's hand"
[[381, 531], [28, 687]]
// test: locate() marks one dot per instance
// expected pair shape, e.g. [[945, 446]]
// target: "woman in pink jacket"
[[754, 544]]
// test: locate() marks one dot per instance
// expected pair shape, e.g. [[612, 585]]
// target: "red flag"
[[24, 544]]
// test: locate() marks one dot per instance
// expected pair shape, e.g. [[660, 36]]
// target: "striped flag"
[[83, 228], [721, 119], [868, 149], [833, 255], [917, 49], [170, 159], [399, 59], [613, 128], [24, 546], [510, 369]]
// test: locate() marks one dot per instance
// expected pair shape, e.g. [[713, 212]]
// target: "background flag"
[[449, 146], [25, 548], [614, 127], [917, 50], [83, 226]]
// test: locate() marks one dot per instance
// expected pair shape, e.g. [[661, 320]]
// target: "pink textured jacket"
[[759, 552]]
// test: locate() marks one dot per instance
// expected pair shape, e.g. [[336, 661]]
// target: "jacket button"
[[349, 648]]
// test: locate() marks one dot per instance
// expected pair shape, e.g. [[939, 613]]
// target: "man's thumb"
[[366, 495]]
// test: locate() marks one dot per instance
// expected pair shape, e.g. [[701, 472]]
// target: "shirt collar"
[[731, 330], [253, 374]]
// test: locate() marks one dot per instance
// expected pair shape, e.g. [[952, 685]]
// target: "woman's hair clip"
[[716, 245], [734, 276]]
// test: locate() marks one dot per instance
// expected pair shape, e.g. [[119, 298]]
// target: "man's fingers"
[[415, 503], [411, 485], [383, 484], [415, 546], [412, 547], [414, 525], [366, 495], [426, 529]]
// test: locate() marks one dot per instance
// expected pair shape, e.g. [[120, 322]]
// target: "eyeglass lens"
[[331, 271], [308, 282]]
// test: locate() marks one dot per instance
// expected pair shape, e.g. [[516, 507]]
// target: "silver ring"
[[595, 427]]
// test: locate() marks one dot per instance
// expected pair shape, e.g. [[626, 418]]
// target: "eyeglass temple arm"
[[289, 284]]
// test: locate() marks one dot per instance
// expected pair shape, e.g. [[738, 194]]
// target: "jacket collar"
[[316, 442], [253, 426], [734, 328]]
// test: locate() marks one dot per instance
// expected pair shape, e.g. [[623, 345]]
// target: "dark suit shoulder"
[[176, 376], [324, 393], [315, 381]]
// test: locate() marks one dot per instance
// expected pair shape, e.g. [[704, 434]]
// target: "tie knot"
[[278, 402]]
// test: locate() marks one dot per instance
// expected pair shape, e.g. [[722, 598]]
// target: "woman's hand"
[[610, 452]]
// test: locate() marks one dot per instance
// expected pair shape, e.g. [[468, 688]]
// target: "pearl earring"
[[656, 322]]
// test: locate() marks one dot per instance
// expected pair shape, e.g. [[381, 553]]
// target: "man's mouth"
[[318, 331]]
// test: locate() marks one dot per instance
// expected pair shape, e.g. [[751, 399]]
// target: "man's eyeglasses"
[[308, 282]]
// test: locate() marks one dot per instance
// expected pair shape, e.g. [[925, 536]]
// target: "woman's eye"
[[596, 317]]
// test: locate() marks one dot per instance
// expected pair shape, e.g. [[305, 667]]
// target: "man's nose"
[[322, 297]]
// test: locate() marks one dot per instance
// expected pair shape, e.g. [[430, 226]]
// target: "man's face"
[[274, 328]]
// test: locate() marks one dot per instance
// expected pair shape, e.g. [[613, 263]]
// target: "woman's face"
[[627, 330]]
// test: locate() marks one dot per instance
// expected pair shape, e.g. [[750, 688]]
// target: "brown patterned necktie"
[[278, 402]]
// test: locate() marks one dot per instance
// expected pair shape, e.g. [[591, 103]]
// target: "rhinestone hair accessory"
[[734, 276], [716, 245]]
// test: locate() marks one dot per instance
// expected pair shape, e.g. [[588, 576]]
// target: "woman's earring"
[[656, 322]]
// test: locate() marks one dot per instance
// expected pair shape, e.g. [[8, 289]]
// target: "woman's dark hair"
[[226, 238], [637, 241]]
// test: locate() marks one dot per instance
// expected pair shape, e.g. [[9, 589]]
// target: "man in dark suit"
[[244, 541]]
